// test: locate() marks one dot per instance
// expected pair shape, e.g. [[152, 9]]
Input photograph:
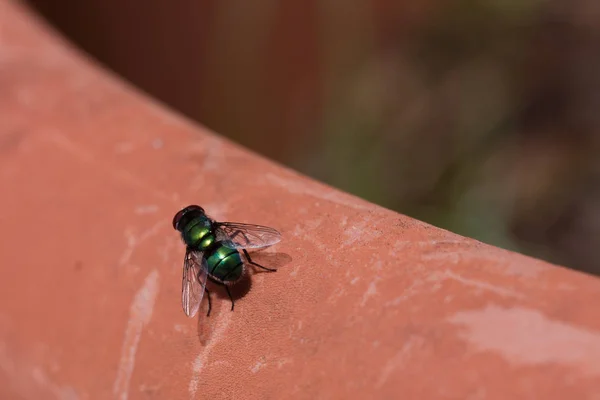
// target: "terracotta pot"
[[366, 303]]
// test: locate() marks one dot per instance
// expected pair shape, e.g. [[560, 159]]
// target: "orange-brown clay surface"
[[366, 303]]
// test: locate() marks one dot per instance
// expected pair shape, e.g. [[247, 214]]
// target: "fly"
[[213, 252]]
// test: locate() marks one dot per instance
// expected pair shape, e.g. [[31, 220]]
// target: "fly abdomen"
[[224, 264]]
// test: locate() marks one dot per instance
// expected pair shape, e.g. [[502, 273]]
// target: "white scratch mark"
[[180, 328], [355, 280], [353, 234], [22, 372], [294, 272], [215, 158], [483, 285], [147, 209], [371, 291], [282, 362], [63, 393], [202, 358], [334, 196], [336, 294], [527, 337], [131, 244], [260, 364], [140, 314], [400, 359], [409, 292], [133, 241], [362, 232]]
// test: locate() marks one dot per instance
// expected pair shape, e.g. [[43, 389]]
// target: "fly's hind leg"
[[230, 297], [256, 264], [209, 302], [228, 294], [226, 289]]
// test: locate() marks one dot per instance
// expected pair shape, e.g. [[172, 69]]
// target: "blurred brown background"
[[480, 117]]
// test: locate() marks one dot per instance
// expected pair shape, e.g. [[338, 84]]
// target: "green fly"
[[213, 252]]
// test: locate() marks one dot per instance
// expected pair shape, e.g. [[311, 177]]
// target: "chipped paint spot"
[[140, 314], [202, 358], [525, 336]]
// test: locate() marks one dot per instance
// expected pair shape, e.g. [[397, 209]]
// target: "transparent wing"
[[246, 236], [194, 281]]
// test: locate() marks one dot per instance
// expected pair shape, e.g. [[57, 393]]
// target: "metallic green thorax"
[[224, 264]]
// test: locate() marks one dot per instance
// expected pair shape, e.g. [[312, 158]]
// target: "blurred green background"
[[481, 117]]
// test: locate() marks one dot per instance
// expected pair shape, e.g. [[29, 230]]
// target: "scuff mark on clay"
[[482, 285], [133, 241], [343, 199], [371, 291], [260, 364], [140, 314], [202, 358], [527, 337], [400, 359]]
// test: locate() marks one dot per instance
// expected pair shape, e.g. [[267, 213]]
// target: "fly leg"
[[209, 302], [226, 289], [230, 297], [239, 232], [256, 264]]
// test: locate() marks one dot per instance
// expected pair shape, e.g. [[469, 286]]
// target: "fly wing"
[[194, 281], [236, 235]]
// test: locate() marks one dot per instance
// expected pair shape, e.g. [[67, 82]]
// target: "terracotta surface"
[[367, 303]]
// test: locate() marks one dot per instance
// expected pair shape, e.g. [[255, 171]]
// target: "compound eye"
[[177, 217], [183, 212]]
